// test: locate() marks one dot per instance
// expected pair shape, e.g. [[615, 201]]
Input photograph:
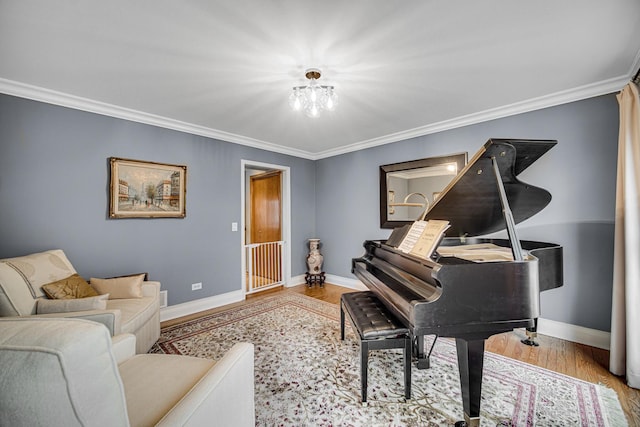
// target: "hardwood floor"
[[576, 360]]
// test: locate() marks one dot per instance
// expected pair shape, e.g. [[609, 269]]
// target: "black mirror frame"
[[460, 159]]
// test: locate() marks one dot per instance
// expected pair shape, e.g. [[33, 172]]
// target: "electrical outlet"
[[196, 286], [164, 299]]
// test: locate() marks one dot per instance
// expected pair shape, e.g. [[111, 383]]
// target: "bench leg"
[[407, 368], [341, 322], [364, 367]]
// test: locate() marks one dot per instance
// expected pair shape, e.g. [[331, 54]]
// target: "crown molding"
[[36, 93], [558, 98], [48, 96]]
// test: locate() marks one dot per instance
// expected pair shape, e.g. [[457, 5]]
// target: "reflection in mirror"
[[407, 189]]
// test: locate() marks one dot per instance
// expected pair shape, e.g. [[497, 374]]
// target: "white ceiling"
[[402, 68]]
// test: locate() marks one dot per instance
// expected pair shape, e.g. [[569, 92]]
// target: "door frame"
[[286, 218]]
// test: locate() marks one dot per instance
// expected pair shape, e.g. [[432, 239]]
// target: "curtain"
[[625, 311]]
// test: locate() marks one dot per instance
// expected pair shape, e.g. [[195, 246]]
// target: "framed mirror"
[[407, 189]]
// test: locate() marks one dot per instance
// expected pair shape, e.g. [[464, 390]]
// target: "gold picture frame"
[[142, 189]]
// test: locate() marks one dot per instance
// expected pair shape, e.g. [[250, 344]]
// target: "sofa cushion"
[[21, 279], [120, 287], [135, 312], [149, 397], [73, 286], [46, 306]]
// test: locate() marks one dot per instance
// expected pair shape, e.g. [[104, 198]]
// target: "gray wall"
[[579, 172], [54, 183], [54, 180]]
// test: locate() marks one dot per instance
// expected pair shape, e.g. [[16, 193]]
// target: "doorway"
[[265, 194], [266, 226]]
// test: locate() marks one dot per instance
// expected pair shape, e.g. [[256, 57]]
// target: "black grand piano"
[[452, 295]]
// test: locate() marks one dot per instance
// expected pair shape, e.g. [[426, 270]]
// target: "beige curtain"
[[625, 315]]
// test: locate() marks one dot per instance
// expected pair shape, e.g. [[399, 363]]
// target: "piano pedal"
[[423, 363], [531, 338]]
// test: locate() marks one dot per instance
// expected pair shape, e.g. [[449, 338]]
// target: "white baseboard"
[[574, 333], [334, 280], [346, 282], [196, 306], [295, 281], [552, 328]]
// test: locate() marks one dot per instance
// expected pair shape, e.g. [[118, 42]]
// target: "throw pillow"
[[73, 286], [119, 287], [145, 278], [46, 306]]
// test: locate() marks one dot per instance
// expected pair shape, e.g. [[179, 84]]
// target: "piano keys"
[[453, 294]]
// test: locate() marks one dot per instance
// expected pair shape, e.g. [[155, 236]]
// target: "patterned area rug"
[[306, 376]]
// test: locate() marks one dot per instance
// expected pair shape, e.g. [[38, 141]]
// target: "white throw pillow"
[[119, 287], [47, 306]]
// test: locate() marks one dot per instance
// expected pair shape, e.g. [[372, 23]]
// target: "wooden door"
[[266, 223], [266, 201]]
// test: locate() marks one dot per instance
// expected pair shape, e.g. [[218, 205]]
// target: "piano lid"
[[471, 201]]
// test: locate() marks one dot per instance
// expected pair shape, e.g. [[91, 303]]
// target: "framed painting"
[[140, 189]]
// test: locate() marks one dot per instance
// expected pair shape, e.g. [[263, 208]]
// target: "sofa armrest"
[[123, 347], [109, 318], [151, 289], [225, 394]]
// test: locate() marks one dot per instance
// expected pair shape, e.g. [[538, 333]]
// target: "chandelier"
[[313, 98]]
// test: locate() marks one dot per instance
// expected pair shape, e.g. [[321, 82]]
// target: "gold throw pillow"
[[73, 286]]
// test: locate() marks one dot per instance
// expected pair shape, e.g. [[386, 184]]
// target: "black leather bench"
[[378, 329]]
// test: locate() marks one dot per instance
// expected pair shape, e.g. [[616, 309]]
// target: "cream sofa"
[[70, 372], [22, 278]]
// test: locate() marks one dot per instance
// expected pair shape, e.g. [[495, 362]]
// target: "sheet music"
[[482, 252], [430, 238], [412, 236], [423, 238]]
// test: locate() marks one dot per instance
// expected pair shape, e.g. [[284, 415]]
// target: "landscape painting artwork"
[[140, 189]]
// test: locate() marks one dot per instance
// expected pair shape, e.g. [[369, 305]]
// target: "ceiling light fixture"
[[313, 97]]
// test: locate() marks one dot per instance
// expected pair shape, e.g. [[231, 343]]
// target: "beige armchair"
[[69, 372], [21, 294]]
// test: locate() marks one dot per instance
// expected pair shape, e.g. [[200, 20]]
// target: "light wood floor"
[[576, 360]]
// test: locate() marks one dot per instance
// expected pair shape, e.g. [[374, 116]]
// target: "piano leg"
[[532, 333], [470, 364]]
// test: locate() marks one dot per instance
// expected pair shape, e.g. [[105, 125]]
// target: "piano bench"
[[377, 329]]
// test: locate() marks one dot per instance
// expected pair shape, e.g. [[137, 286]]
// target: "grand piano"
[[450, 294]]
